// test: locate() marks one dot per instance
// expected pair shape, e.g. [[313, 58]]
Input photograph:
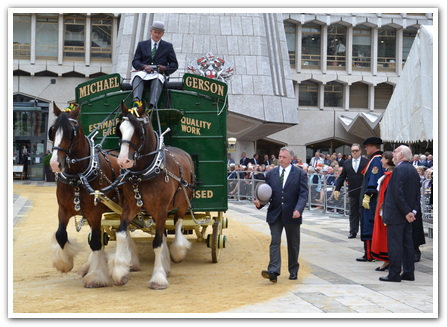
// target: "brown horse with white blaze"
[[162, 179], [78, 163]]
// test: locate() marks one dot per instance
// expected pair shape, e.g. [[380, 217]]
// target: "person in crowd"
[[316, 160], [153, 60], [244, 160], [327, 160], [423, 159], [427, 181], [340, 159], [340, 48], [371, 174], [230, 160], [321, 184], [352, 173], [416, 162], [379, 248], [421, 172], [273, 160], [334, 161], [429, 162], [286, 206], [232, 178], [266, 160], [259, 173], [255, 159], [401, 205]]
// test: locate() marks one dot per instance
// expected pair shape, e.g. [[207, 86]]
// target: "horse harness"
[[89, 174], [155, 167]]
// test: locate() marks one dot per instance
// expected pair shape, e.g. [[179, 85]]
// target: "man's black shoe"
[[352, 235], [417, 256], [406, 276], [293, 276], [388, 279], [271, 276], [363, 259]]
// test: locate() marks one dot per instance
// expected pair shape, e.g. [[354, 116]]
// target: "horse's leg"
[[134, 260], [159, 279], [120, 262], [181, 245], [63, 249], [95, 272]]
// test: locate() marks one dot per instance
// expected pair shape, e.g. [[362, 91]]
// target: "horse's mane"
[[62, 122]]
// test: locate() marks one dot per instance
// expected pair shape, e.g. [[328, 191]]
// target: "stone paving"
[[338, 285], [335, 284]]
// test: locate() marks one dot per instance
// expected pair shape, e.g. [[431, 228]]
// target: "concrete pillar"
[[324, 49], [321, 96], [60, 40], [399, 49], [371, 90], [88, 39], [347, 92], [349, 36], [374, 46], [33, 39]]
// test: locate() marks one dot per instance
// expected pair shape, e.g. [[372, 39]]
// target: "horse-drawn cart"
[[194, 112]]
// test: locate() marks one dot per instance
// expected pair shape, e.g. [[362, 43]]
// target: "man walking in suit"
[[289, 196], [352, 172], [401, 204], [153, 59]]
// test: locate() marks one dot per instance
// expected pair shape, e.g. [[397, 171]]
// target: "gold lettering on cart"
[[104, 126], [203, 194], [194, 126], [98, 86], [207, 86]]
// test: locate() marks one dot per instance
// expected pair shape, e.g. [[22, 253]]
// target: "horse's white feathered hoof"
[[95, 272], [155, 286], [123, 281], [178, 251], [63, 259]]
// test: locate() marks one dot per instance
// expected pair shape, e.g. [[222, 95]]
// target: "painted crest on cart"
[[212, 67]]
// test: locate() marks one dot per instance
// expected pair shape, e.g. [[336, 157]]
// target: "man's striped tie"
[[281, 178], [154, 50]]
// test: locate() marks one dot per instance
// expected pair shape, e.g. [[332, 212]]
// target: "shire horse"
[[78, 164], [162, 179]]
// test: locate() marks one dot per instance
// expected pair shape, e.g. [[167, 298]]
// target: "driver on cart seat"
[[153, 60]]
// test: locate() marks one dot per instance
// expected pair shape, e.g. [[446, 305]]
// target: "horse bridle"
[[137, 149], [75, 130]]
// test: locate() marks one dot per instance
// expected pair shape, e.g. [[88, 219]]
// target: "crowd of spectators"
[[322, 169]]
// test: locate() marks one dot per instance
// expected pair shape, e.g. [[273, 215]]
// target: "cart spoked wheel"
[[216, 241]]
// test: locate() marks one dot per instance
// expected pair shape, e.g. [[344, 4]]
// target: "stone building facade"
[[286, 90]]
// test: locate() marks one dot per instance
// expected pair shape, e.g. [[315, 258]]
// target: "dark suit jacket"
[[402, 195], [244, 161], [164, 56], [340, 161], [355, 179], [292, 197]]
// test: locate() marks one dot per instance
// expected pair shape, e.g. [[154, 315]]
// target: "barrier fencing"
[[321, 188]]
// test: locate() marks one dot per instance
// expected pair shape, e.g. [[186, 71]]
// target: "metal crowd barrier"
[[427, 209], [320, 193]]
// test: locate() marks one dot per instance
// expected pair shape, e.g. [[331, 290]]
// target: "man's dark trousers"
[[293, 246]]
